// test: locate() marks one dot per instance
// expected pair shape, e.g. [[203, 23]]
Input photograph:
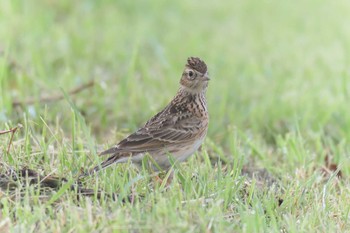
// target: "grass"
[[278, 100]]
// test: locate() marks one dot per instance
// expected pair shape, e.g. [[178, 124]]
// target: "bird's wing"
[[162, 131], [155, 136]]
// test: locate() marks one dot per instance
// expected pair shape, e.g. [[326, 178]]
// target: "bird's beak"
[[205, 77]]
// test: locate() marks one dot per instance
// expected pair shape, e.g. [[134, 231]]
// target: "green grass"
[[278, 100]]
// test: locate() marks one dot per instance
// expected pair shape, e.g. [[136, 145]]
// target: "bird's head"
[[195, 76]]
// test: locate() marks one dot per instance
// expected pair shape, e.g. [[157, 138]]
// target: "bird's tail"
[[108, 162]]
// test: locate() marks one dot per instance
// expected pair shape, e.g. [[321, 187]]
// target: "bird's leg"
[[158, 179], [168, 177]]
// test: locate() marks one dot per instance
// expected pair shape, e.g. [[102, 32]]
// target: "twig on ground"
[[12, 131], [53, 98], [28, 176]]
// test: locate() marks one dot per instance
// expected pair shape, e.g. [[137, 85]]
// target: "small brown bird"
[[177, 131]]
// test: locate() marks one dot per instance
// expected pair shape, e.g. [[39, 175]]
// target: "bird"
[[175, 132]]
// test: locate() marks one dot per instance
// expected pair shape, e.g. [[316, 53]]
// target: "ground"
[[80, 75]]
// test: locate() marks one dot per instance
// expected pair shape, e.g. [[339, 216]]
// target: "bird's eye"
[[190, 73]]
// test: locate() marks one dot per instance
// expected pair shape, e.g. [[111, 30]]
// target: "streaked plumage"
[[178, 130]]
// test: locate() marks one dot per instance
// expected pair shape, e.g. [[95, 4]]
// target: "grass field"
[[278, 101]]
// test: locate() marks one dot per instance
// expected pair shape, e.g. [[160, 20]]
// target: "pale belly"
[[179, 154], [188, 151]]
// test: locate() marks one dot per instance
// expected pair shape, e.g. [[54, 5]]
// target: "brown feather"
[[180, 124]]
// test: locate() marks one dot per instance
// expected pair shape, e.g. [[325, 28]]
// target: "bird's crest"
[[197, 64]]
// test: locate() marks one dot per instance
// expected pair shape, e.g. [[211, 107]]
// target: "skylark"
[[177, 131]]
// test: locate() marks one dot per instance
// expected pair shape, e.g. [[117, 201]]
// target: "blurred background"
[[278, 102], [275, 66]]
